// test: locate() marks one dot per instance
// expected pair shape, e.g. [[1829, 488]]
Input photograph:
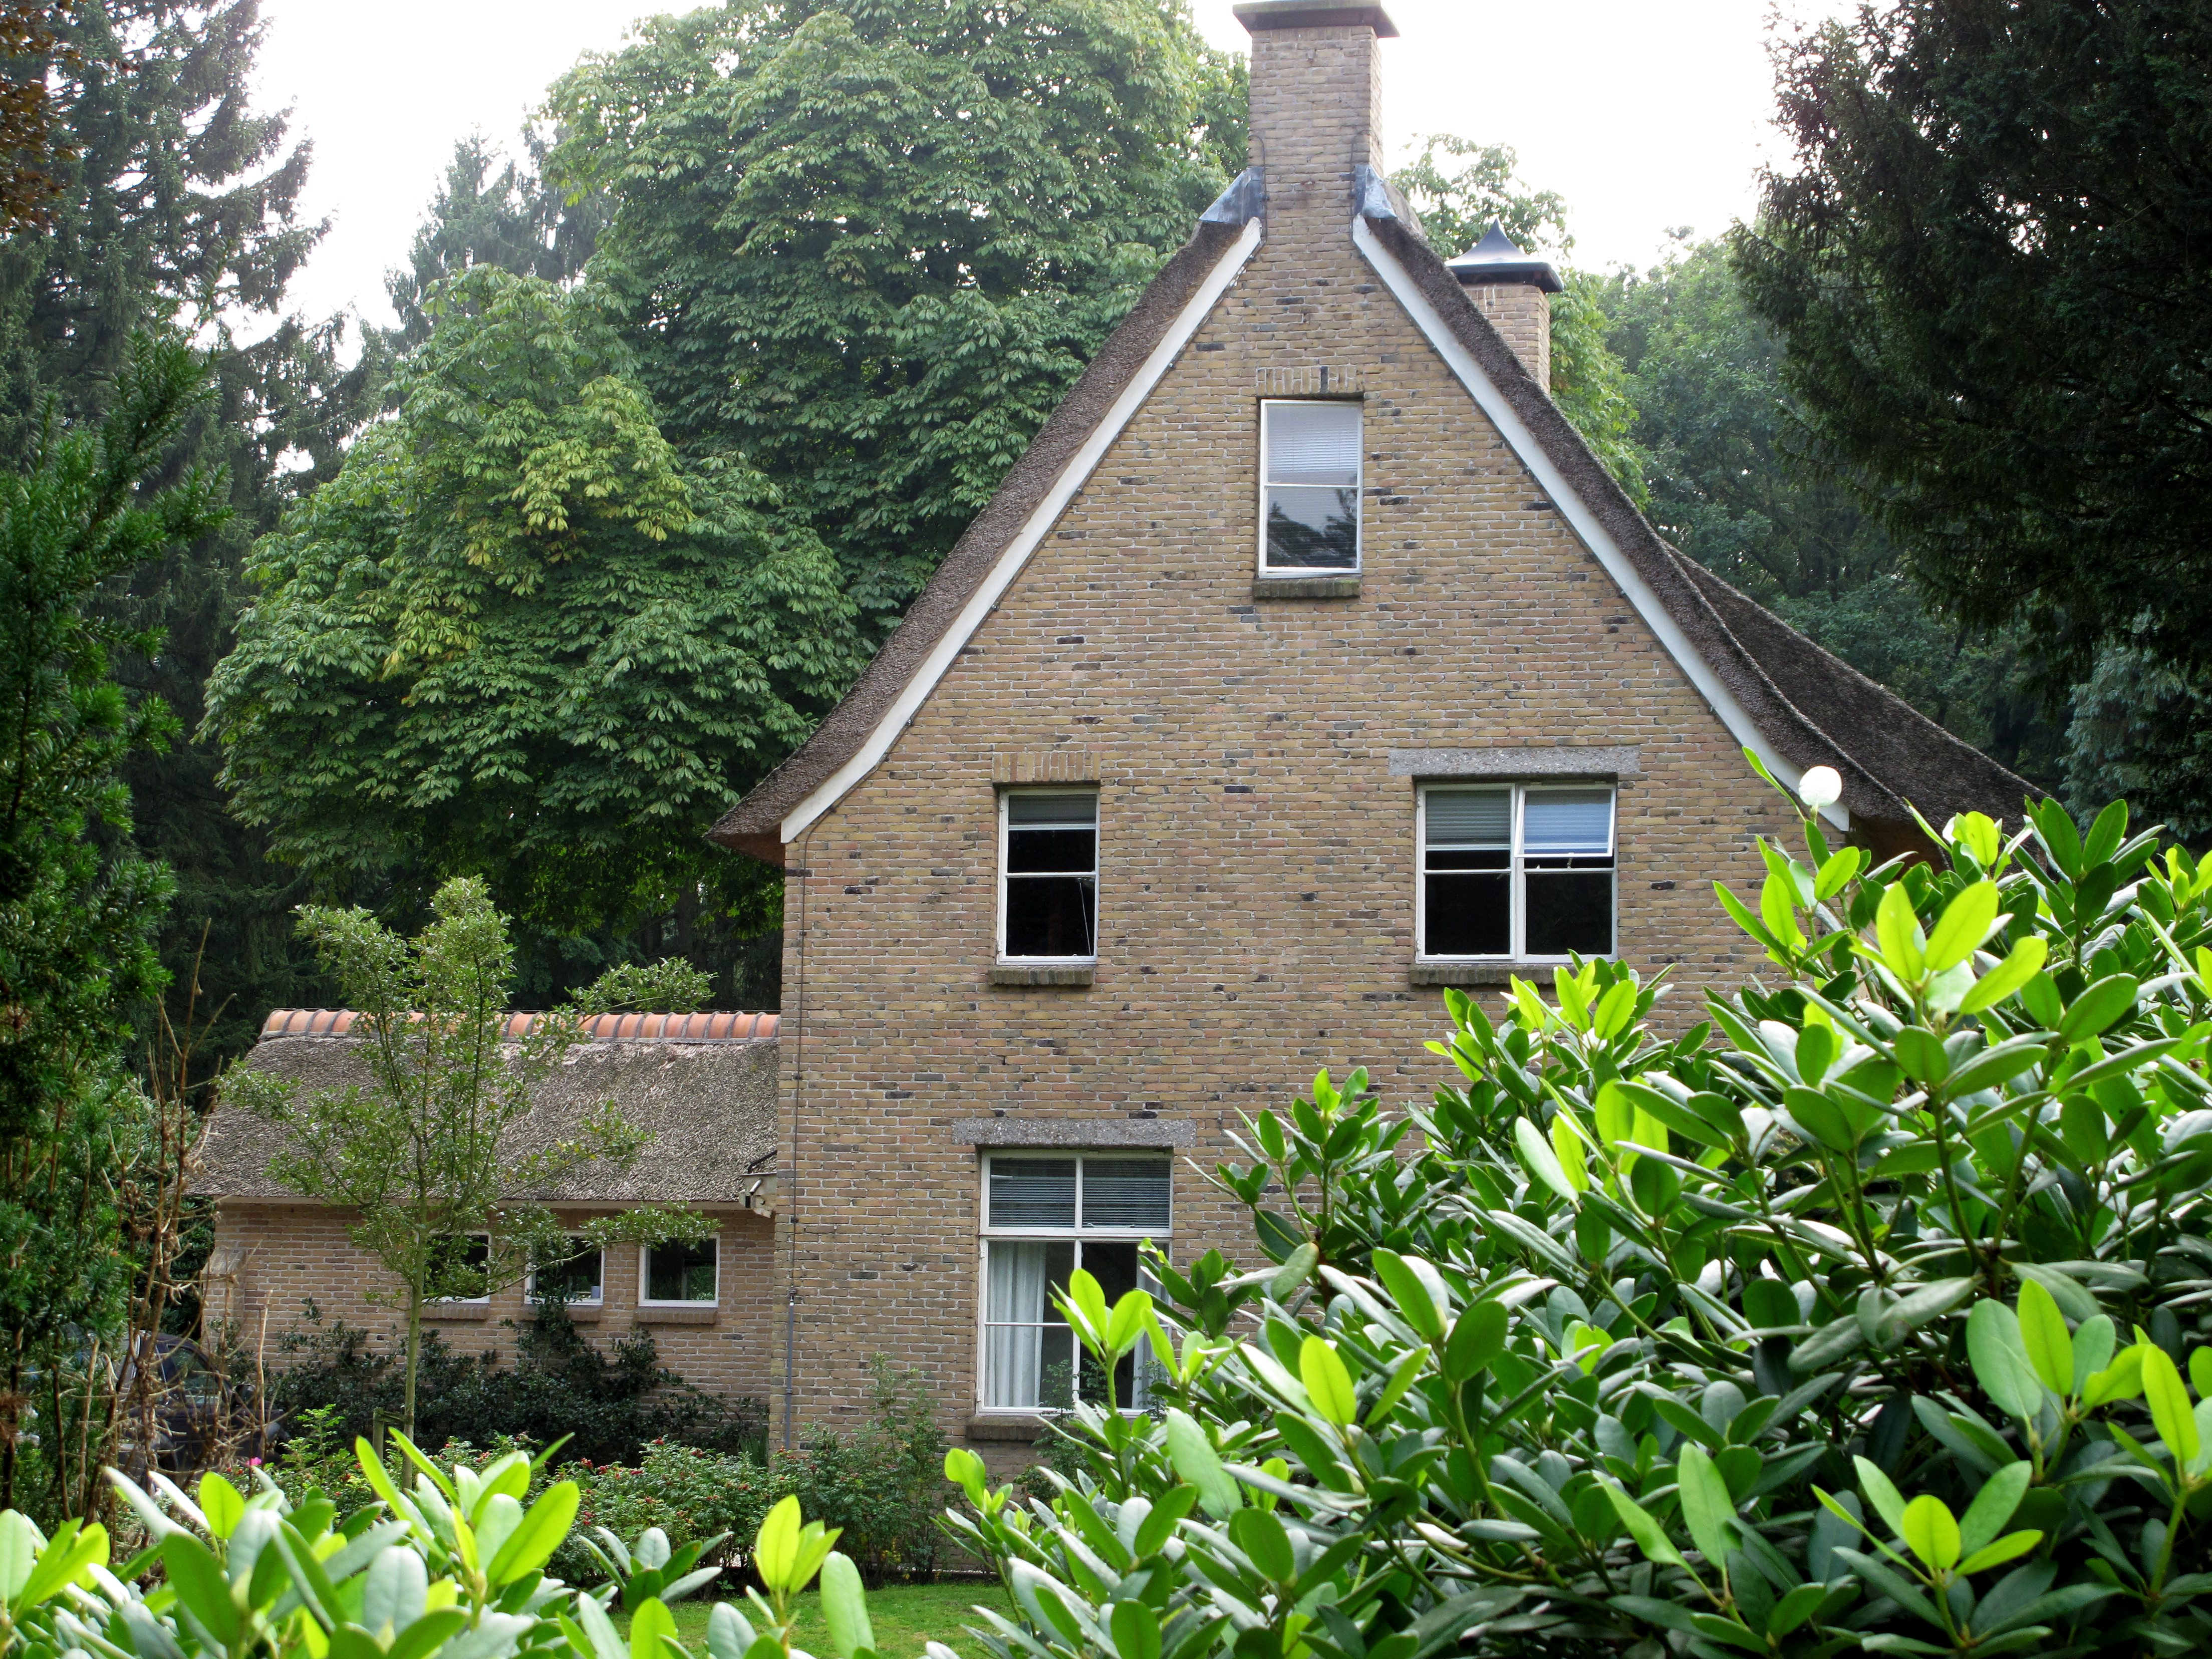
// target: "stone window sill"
[[696, 1314], [458, 1312], [1475, 973], [1023, 1429], [1306, 587], [1007, 973]]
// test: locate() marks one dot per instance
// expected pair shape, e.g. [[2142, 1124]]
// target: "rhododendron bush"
[[1869, 1313]]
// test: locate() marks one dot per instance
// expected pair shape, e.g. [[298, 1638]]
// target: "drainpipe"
[[798, 1108]]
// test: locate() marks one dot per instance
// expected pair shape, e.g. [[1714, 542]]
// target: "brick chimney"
[[1316, 99], [1513, 290]]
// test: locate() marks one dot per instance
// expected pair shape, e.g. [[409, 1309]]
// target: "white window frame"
[[467, 1301], [645, 1277], [1098, 834], [530, 1279], [1516, 872], [1078, 1235], [1359, 496]]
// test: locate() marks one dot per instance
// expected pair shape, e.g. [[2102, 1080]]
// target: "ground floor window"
[[1044, 1218], [459, 1264], [577, 1277], [680, 1273]]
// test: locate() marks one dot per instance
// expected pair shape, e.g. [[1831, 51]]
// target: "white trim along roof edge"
[[986, 597], [1577, 512]]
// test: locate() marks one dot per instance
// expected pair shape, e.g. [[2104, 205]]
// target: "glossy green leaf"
[[1538, 1159], [1411, 1293], [202, 1587], [1706, 1506], [2025, 959], [1650, 1537], [1886, 1501], [775, 1545], [1265, 1545], [2096, 1008], [1329, 1384], [1196, 1461], [2000, 1360], [648, 1624], [1478, 1337], [1895, 931], [2009, 1548], [2121, 1380], [1965, 921], [221, 1503], [531, 1543], [845, 1606], [1136, 1630], [1993, 1505], [2169, 1404], [2043, 1333]]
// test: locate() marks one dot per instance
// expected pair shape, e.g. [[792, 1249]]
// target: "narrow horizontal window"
[[1310, 486], [1048, 876], [1516, 870], [680, 1272]]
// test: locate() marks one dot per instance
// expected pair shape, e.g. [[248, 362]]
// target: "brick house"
[[1307, 663]]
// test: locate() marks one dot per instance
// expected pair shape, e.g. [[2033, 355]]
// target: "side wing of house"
[[284, 1271]]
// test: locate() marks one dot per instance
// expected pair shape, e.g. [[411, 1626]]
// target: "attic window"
[[1515, 870], [1049, 875], [1310, 485]]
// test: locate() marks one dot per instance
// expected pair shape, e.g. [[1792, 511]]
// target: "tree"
[[425, 1154], [1457, 208], [512, 219], [520, 635], [1737, 484], [178, 199], [27, 145], [868, 247], [79, 904], [1985, 261]]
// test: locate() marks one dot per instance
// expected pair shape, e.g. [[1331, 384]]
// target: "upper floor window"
[[1048, 874], [1308, 486], [1515, 870], [1043, 1218]]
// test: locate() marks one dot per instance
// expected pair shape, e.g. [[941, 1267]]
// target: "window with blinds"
[[1045, 1218], [1308, 486], [1516, 870], [1049, 875]]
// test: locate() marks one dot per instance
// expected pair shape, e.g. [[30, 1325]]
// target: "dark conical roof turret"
[[1496, 260]]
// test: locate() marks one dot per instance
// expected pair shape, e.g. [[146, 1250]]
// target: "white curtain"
[[1013, 1340]]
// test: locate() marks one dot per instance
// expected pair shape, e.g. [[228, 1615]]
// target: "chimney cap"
[[1258, 15], [1497, 261]]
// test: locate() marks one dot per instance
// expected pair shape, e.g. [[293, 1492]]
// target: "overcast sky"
[[1644, 116]]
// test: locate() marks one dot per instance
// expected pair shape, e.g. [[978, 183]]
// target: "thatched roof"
[[710, 1105]]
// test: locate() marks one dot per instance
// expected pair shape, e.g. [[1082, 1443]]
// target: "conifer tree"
[[178, 201]]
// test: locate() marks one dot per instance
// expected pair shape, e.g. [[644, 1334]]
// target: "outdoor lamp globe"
[[1821, 785]]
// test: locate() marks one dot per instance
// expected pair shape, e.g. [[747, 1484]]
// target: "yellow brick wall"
[[1256, 884]]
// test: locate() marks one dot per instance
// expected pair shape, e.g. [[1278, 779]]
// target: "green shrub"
[[609, 1407], [1857, 1317], [454, 1568]]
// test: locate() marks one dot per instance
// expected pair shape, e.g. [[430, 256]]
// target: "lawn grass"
[[905, 1617]]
